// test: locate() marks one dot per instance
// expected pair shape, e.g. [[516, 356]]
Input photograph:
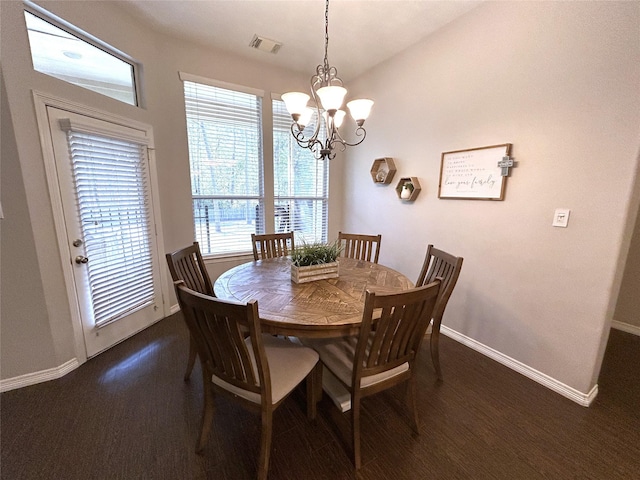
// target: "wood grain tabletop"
[[322, 308]]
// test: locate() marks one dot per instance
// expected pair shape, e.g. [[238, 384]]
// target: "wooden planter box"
[[314, 272]]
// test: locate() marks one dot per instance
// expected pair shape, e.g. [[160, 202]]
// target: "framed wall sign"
[[474, 173]]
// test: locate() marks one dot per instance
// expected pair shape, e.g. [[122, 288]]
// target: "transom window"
[[64, 53]]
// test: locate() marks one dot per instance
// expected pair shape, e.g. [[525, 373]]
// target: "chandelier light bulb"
[[331, 97], [333, 122], [295, 102], [360, 109]]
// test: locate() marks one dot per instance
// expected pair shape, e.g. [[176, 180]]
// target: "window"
[[225, 133], [224, 130], [64, 53], [300, 183]]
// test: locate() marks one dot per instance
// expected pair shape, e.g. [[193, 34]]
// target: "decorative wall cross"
[[505, 164]]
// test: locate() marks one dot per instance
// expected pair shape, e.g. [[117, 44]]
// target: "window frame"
[[267, 187], [261, 197], [58, 22]]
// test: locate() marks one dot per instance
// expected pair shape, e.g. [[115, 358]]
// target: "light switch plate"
[[561, 217]]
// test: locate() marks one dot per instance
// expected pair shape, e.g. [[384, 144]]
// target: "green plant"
[[315, 254]]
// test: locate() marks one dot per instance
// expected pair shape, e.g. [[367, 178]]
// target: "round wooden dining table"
[[321, 308]]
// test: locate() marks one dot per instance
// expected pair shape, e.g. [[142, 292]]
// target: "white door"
[[103, 177]]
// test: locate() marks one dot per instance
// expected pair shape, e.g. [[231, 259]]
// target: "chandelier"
[[328, 94]]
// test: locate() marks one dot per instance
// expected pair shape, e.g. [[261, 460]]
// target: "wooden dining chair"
[[439, 264], [271, 245], [360, 247], [187, 264], [384, 356], [258, 371]]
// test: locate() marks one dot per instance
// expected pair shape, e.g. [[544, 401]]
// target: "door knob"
[[80, 259]]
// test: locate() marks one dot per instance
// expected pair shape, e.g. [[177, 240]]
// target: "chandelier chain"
[[326, 38]]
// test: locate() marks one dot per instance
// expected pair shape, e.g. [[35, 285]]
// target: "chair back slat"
[[188, 265], [218, 327], [398, 331], [272, 245], [443, 265], [360, 247]]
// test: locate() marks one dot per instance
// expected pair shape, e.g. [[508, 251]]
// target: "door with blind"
[[105, 189]]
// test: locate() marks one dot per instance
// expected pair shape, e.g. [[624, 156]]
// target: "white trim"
[[159, 238], [187, 77], [75, 107], [626, 327], [175, 308], [581, 398], [38, 377], [139, 138], [41, 102]]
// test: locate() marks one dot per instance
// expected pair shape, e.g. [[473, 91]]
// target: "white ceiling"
[[362, 33]]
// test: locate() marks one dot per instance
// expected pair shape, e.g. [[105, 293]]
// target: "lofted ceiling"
[[362, 33]]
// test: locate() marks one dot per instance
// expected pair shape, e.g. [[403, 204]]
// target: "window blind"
[[224, 130], [300, 183], [112, 193]]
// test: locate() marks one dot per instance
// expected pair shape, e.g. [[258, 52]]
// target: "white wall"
[[18, 256], [558, 80]]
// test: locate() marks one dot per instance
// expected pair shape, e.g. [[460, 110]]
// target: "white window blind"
[[224, 129], [112, 192], [300, 183]]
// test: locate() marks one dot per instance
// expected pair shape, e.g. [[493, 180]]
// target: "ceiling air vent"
[[265, 44]]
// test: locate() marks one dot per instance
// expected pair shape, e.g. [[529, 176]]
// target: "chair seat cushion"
[[337, 355], [289, 364]]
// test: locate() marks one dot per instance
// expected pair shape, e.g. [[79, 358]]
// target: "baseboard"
[[50, 374], [581, 398], [626, 327], [38, 377]]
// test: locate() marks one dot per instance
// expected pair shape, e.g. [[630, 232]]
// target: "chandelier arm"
[[342, 144], [360, 132], [302, 141]]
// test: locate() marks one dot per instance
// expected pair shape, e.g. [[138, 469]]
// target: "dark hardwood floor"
[[127, 414]]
